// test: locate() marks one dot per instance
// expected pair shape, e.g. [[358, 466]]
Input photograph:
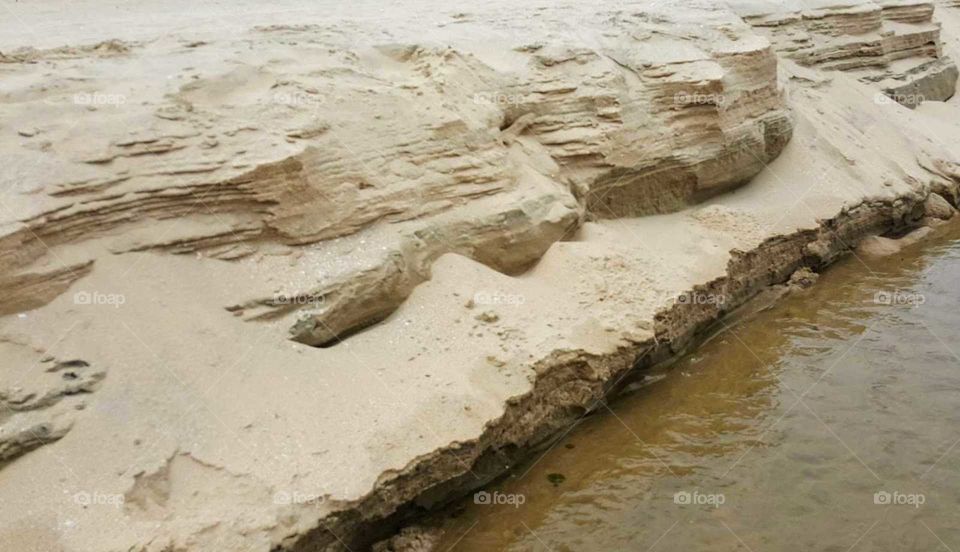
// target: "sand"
[[271, 274]]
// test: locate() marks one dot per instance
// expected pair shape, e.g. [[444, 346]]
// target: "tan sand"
[[271, 273]]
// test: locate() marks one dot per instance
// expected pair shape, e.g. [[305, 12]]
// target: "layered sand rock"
[[454, 148], [517, 205], [892, 44]]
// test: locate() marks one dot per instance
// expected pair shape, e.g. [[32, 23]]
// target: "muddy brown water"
[[829, 421]]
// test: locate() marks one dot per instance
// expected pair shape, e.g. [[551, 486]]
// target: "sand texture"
[[276, 276]]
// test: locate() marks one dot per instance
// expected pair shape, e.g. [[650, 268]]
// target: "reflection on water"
[[829, 422]]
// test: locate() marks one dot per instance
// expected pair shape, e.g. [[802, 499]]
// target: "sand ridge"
[[318, 267]]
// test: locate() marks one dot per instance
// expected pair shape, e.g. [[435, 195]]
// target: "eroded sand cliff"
[[280, 277]]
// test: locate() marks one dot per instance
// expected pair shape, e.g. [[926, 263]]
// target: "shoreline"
[[288, 286], [710, 422], [678, 329]]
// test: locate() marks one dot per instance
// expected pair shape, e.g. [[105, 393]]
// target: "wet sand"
[[826, 422]]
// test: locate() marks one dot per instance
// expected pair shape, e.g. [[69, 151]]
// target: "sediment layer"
[[894, 44], [572, 384], [246, 157], [324, 277]]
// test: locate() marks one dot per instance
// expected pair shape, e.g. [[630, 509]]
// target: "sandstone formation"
[[453, 152], [328, 268], [40, 399], [892, 44]]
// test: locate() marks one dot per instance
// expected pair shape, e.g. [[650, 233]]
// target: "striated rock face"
[[40, 398], [426, 149], [893, 44], [671, 113], [345, 264]]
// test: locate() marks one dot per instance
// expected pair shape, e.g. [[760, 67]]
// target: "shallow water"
[[828, 422]]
